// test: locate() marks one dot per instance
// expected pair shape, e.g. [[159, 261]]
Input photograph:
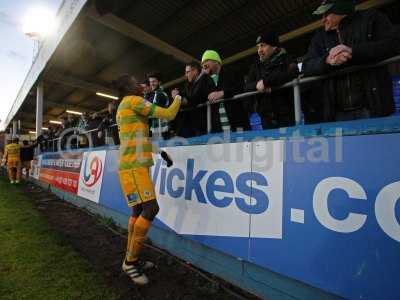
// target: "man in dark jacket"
[[26, 154], [96, 136], [109, 124], [272, 69], [193, 121], [352, 38], [226, 116]]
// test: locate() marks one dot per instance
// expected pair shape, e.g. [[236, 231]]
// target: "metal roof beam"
[[24, 115], [78, 83], [30, 125], [48, 103], [138, 34]]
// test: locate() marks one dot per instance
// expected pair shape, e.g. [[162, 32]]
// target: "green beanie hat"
[[211, 55]]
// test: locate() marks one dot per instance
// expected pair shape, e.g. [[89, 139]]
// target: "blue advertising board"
[[324, 211], [341, 229]]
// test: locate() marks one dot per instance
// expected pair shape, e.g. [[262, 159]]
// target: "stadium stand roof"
[[99, 40]]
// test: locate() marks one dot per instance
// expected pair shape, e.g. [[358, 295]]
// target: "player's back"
[[132, 120], [13, 152]]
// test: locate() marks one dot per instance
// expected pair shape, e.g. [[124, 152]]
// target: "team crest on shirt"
[[147, 193], [133, 197]]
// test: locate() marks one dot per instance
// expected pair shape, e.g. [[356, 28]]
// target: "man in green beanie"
[[224, 116], [351, 37]]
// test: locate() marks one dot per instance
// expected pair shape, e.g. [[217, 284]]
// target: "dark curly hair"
[[154, 74], [121, 85]]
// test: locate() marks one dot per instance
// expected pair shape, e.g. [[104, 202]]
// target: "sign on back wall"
[[61, 170], [91, 175], [78, 173]]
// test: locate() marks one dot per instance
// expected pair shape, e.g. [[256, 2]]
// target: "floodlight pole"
[[14, 128], [39, 109]]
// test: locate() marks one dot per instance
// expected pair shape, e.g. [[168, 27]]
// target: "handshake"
[[339, 55]]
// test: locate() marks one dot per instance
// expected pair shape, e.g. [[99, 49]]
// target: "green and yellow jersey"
[[132, 119], [12, 153]]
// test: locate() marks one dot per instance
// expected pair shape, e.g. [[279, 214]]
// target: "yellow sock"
[[131, 224], [141, 228]]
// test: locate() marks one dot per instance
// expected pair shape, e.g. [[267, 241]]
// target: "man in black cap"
[[272, 69], [352, 38]]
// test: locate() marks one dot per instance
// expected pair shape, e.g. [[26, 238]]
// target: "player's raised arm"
[[170, 112]]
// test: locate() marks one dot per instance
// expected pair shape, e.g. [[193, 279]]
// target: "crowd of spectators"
[[86, 130], [348, 38]]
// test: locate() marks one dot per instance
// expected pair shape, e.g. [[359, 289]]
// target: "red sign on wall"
[[65, 181], [61, 170]]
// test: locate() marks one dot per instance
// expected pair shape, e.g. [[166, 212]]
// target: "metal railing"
[[295, 84]]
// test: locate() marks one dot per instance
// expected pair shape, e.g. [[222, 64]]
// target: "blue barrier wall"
[[292, 217]]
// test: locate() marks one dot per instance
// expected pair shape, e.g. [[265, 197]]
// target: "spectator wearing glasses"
[[349, 38], [197, 88]]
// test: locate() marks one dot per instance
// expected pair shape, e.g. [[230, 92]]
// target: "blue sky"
[[16, 49]]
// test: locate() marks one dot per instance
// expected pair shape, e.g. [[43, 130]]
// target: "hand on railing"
[[215, 96], [261, 88]]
